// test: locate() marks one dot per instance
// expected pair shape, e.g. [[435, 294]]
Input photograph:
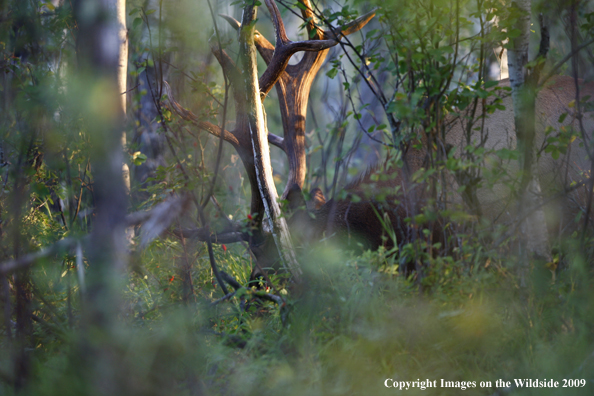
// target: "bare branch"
[[26, 261], [230, 280], [228, 65], [268, 296], [224, 298], [558, 65], [255, 294], [277, 141], [161, 217], [203, 235], [137, 218], [209, 127]]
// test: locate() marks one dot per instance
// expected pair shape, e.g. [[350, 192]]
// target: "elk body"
[[555, 175], [373, 203], [375, 210]]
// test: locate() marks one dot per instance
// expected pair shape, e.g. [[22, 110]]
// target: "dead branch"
[[161, 217], [203, 235], [29, 259]]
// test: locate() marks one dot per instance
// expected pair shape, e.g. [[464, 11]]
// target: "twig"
[[230, 280], [224, 298]]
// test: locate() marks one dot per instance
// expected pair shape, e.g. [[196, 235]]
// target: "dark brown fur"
[[365, 214]]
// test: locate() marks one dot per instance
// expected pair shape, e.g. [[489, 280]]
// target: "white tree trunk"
[[517, 55], [118, 7], [123, 75]]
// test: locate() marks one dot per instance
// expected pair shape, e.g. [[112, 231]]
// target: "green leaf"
[[332, 73], [138, 158], [562, 118], [301, 5], [490, 84]]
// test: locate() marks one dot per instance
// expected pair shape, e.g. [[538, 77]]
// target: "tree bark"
[[123, 75], [533, 239], [259, 139], [99, 63], [118, 8]]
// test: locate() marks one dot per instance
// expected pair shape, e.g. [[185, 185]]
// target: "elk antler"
[[294, 81], [277, 57]]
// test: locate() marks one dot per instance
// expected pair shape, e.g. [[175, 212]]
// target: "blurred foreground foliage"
[[352, 324]]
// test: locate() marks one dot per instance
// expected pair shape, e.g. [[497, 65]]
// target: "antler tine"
[[309, 16], [350, 27], [286, 48], [310, 45], [232, 21], [277, 21], [264, 47], [281, 57]]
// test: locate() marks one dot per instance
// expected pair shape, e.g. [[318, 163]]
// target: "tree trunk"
[[533, 239], [122, 78], [98, 72], [259, 139], [122, 73]]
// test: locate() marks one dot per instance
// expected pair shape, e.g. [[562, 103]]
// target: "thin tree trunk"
[[259, 138], [107, 256], [534, 239], [123, 75], [122, 78]]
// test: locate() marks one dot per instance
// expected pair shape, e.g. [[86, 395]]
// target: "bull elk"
[[362, 216], [359, 214]]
